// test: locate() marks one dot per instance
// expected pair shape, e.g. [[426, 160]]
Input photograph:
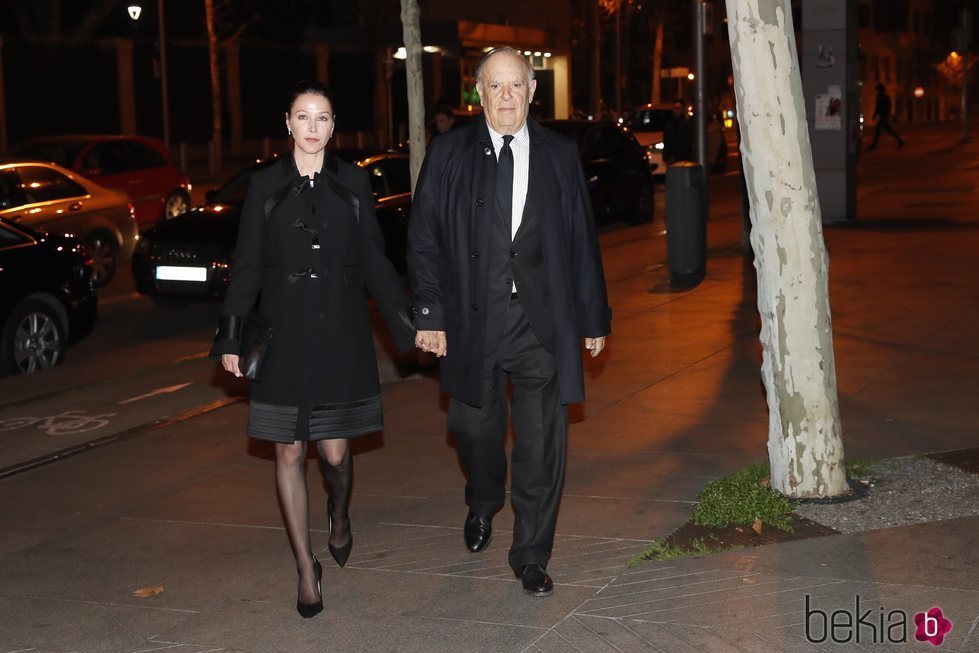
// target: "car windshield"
[[234, 191], [650, 120], [63, 153], [236, 188]]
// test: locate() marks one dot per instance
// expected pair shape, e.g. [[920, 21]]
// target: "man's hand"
[[432, 342], [595, 345], [230, 363]]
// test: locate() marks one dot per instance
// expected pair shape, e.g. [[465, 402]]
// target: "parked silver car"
[[47, 197]]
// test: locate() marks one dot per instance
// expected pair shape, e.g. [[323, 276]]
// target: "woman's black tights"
[[290, 482], [339, 474]]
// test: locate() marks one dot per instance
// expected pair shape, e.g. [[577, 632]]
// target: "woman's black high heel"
[[340, 553], [307, 610]]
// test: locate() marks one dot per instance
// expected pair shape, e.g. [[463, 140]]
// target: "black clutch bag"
[[256, 337]]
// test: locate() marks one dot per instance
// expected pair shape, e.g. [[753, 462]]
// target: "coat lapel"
[[330, 172], [536, 180]]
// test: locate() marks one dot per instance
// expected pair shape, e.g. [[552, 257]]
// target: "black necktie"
[[504, 184]]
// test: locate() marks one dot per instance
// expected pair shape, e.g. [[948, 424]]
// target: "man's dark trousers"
[[540, 423]]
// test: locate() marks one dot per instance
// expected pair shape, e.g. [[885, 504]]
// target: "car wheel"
[[105, 256], [33, 339], [644, 205], [176, 203]]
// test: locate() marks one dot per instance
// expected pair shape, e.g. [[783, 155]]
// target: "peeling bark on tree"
[[411, 28], [805, 443]]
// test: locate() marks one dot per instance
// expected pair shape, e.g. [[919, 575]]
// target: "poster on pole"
[[828, 111]]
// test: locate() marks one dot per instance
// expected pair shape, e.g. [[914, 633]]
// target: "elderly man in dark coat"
[[507, 279]]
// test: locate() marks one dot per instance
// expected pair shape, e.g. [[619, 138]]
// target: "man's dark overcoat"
[[449, 237], [305, 255]]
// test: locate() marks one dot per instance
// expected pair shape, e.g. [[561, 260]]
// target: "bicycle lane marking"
[[190, 385], [141, 429], [64, 423]]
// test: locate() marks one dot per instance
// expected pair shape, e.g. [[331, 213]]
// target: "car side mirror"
[[210, 196]]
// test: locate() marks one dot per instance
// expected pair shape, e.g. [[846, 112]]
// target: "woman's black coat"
[[305, 255]]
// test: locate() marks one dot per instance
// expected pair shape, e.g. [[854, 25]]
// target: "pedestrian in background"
[[882, 111], [444, 118], [678, 135], [308, 243], [507, 279]]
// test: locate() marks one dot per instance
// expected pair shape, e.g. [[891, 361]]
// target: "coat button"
[[480, 202], [474, 308], [513, 254], [425, 311], [474, 254]]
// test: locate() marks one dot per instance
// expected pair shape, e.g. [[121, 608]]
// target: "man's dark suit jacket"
[[449, 241]]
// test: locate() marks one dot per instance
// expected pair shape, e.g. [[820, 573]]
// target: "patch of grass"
[[860, 467], [662, 549], [739, 498]]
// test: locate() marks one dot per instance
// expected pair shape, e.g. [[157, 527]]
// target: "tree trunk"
[[212, 49], [618, 61], [805, 443], [411, 28], [658, 61], [596, 61]]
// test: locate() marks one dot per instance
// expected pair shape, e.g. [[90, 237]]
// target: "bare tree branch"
[[94, 19]]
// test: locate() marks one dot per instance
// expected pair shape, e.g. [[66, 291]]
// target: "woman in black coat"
[[308, 244]]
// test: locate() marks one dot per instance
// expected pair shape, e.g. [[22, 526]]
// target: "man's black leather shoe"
[[478, 531], [535, 580]]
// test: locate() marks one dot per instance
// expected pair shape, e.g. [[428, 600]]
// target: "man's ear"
[[532, 87], [479, 92]]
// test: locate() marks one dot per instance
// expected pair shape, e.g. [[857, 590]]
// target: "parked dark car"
[[135, 165], [617, 171], [47, 299], [190, 256]]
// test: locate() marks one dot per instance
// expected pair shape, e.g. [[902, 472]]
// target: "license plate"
[[180, 273]]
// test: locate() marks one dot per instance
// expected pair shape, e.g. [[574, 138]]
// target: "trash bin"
[[686, 220]]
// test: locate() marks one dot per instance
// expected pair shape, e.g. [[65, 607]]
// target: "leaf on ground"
[[764, 482], [756, 527], [151, 590]]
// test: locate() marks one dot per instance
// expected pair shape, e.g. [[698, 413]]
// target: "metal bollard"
[[686, 220]]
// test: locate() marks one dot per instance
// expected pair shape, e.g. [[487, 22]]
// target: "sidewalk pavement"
[[675, 401]]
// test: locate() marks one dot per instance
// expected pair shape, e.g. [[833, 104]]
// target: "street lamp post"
[[135, 10], [163, 79]]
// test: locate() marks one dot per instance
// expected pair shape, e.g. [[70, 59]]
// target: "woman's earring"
[[289, 129]]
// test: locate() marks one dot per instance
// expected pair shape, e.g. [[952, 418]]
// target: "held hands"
[[230, 363], [595, 345], [432, 342]]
